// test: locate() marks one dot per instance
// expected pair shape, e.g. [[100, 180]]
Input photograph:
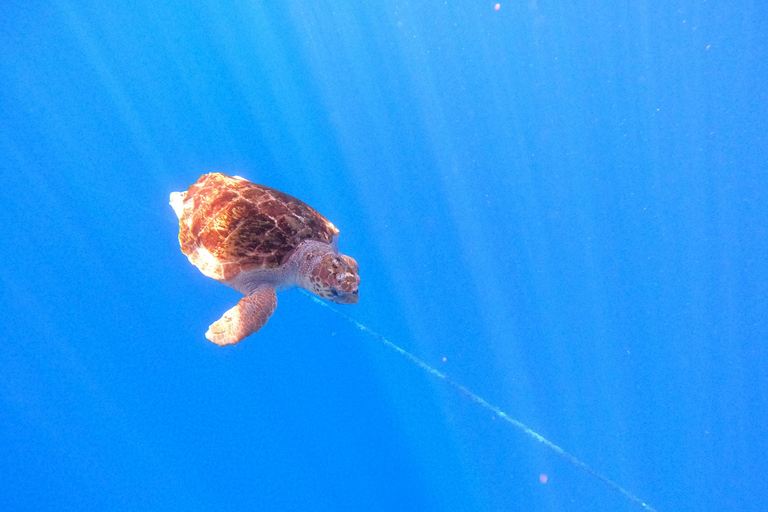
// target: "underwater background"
[[559, 205]]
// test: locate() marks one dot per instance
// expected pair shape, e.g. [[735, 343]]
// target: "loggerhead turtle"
[[259, 240]]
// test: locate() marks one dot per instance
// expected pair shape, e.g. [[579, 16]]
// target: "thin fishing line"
[[479, 400]]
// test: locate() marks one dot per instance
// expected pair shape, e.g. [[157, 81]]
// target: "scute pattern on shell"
[[230, 225]]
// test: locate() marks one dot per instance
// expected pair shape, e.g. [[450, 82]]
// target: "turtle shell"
[[229, 225]]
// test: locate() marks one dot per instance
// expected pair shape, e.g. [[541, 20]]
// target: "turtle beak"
[[347, 292], [348, 298], [346, 289]]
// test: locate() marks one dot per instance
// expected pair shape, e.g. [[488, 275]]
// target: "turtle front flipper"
[[247, 317]]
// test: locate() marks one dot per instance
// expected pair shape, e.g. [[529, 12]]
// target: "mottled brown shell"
[[230, 225]]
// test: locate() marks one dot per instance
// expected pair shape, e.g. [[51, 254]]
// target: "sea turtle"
[[259, 240]]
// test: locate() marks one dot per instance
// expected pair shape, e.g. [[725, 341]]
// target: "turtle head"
[[335, 277]]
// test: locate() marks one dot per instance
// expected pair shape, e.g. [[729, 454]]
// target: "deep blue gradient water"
[[561, 206]]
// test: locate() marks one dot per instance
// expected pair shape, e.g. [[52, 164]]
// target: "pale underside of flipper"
[[247, 317]]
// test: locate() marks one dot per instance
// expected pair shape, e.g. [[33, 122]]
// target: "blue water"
[[560, 206]]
